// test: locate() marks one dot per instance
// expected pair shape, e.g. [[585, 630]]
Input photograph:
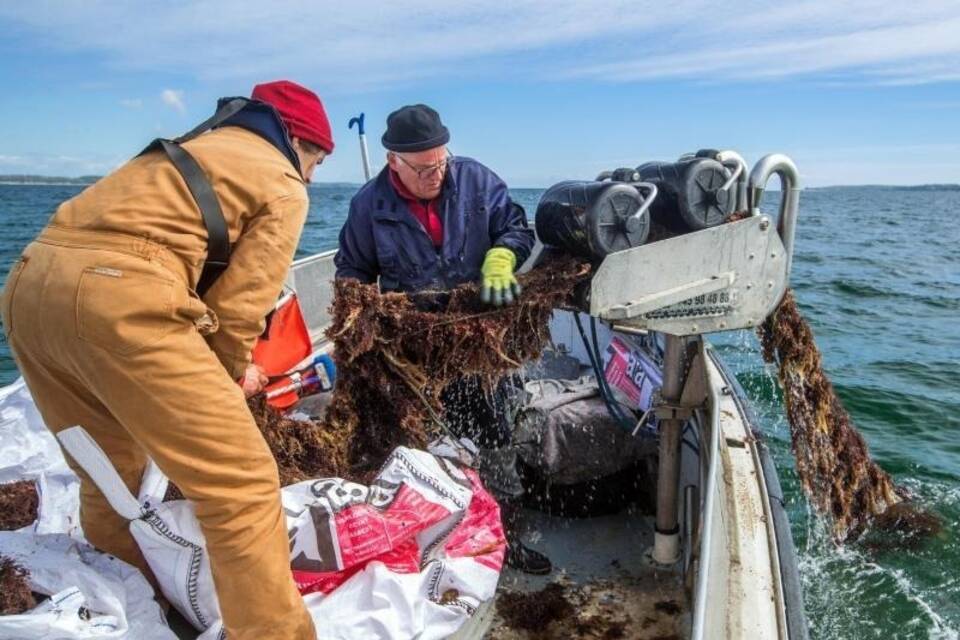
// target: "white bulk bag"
[[413, 555], [167, 533], [28, 451], [92, 594]]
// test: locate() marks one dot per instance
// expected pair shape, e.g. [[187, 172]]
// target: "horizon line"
[[46, 180]]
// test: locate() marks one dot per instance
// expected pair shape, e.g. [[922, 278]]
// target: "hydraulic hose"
[[605, 394], [628, 424]]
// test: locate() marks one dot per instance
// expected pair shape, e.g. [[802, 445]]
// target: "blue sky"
[[856, 91]]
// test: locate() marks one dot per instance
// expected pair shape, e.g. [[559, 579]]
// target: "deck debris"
[[598, 609], [15, 594], [834, 465], [19, 504], [396, 353], [534, 611]]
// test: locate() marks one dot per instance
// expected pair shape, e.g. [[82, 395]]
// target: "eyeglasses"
[[423, 173]]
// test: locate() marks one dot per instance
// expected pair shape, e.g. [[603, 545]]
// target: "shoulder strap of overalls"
[[218, 240]]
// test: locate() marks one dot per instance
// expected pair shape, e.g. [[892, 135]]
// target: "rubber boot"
[[498, 470], [520, 556]]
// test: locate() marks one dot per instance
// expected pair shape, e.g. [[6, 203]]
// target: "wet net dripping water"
[[395, 355], [834, 466]]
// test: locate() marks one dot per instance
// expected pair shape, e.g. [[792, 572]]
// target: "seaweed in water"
[[19, 504], [835, 468], [396, 353], [15, 594]]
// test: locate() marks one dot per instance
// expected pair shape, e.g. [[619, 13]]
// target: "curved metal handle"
[[604, 175], [732, 158], [737, 170], [777, 163], [633, 222], [359, 122]]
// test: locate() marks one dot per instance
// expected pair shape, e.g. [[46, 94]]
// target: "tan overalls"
[[102, 319]]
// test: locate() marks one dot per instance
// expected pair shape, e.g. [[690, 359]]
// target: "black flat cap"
[[415, 127]]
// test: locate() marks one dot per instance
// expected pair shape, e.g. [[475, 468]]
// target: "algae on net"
[[833, 463], [396, 353]]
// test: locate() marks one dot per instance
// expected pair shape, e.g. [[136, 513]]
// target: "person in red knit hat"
[[134, 313], [304, 116]]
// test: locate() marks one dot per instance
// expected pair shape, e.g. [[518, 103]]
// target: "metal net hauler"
[[625, 208]]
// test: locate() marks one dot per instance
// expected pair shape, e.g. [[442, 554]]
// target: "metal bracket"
[[668, 297], [671, 410], [726, 277]]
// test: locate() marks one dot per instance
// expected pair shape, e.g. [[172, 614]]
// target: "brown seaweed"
[[396, 353], [19, 505], [597, 609], [535, 611], [834, 465], [15, 594]]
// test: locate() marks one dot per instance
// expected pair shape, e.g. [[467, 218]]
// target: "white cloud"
[[365, 43], [132, 103], [174, 99], [59, 164], [878, 52]]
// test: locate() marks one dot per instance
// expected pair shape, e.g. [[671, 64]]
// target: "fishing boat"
[[712, 557], [717, 559]]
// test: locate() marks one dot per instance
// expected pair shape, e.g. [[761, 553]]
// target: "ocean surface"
[[877, 274]]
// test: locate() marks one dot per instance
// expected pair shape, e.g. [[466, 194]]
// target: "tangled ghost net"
[[835, 468], [395, 355]]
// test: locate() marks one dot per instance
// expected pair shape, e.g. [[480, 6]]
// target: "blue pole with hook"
[[363, 145]]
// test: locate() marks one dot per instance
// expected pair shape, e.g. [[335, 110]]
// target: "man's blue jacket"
[[381, 238]]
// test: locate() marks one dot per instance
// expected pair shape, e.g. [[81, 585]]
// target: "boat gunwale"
[[790, 584]]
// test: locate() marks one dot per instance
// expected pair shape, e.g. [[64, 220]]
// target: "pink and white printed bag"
[[413, 555]]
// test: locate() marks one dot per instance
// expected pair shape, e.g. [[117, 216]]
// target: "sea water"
[[877, 274]]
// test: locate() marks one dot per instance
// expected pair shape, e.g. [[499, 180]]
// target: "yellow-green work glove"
[[499, 286]]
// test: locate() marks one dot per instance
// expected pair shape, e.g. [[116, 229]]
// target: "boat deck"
[[601, 564]]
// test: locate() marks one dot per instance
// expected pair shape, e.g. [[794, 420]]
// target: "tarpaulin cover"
[[567, 435]]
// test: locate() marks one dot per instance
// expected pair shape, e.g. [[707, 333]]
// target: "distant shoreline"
[[42, 181], [83, 181], [13, 183]]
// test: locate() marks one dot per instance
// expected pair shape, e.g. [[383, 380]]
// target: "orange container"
[[286, 341]]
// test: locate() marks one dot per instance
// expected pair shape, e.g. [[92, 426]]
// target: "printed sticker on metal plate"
[[717, 303]]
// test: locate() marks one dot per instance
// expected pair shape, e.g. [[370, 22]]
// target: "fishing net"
[[833, 463], [395, 355]]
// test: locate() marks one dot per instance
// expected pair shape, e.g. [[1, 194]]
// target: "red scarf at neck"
[[423, 210]]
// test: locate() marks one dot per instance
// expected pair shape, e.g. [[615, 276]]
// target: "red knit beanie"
[[300, 109]]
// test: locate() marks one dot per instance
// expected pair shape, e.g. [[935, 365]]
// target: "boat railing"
[[710, 492], [312, 279]]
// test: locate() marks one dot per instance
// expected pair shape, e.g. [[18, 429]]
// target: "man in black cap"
[[432, 221]]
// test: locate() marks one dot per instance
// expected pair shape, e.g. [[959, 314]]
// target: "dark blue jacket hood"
[[262, 119]]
